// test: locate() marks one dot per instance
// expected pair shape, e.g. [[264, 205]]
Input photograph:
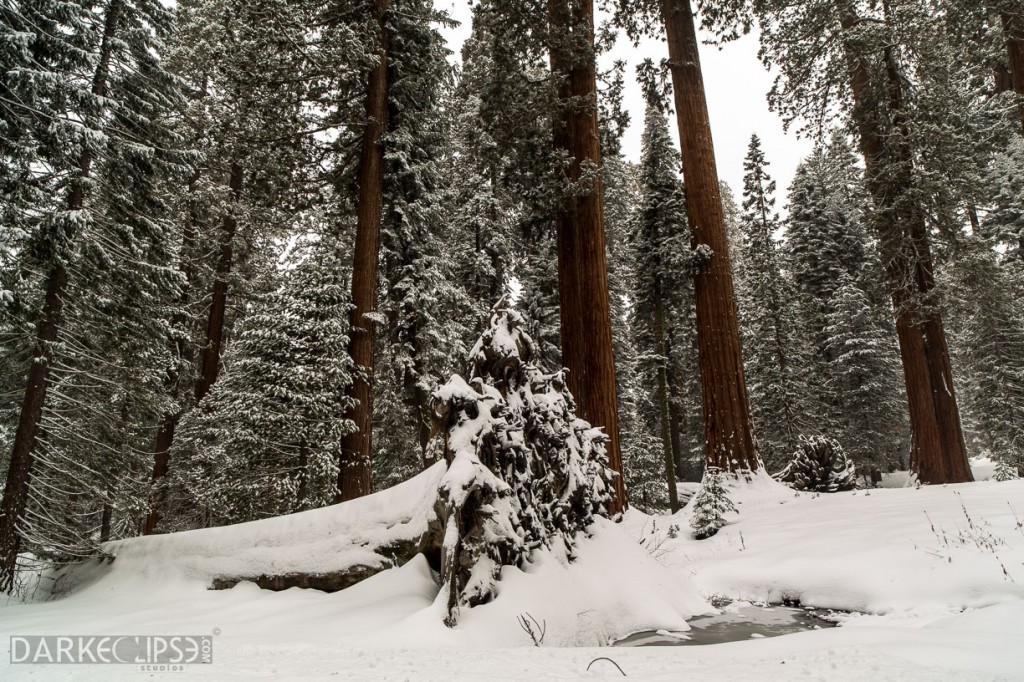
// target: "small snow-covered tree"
[[523, 471], [710, 505], [820, 465]]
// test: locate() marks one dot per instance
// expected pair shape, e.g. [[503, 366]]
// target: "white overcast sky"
[[736, 85]]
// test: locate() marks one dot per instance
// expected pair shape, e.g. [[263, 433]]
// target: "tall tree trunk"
[[667, 444], [728, 431], [355, 465], [582, 268], [181, 349], [19, 472], [938, 451], [210, 359], [1013, 30]]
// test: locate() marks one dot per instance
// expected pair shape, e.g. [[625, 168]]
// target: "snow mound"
[[612, 589]]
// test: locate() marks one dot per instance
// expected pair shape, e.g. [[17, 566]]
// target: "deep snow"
[[937, 604]]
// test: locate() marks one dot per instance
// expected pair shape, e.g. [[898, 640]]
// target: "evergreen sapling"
[[710, 505]]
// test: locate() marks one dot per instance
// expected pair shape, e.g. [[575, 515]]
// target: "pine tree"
[[863, 380], [779, 396], [537, 275], [428, 309], [505, 194], [824, 236], [1004, 223], [710, 505], [640, 449], [819, 465], [988, 343], [826, 250], [662, 292], [265, 439], [272, 91], [524, 471], [86, 129]]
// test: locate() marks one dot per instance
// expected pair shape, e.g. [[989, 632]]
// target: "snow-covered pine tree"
[[824, 234], [863, 380], [988, 344], [820, 245], [537, 275], [523, 471], [88, 144], [505, 156], [710, 505], [779, 392], [827, 250], [662, 291], [428, 308], [265, 440], [1004, 222], [271, 95], [641, 450]]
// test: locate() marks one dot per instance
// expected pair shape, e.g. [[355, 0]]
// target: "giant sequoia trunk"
[[728, 430], [582, 268], [354, 472], [938, 451], [19, 472]]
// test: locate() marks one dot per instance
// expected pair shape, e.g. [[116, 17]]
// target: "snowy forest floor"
[[934, 576]]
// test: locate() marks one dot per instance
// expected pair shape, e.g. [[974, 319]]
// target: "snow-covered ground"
[[937, 572]]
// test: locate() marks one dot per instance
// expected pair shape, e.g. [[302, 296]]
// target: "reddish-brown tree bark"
[[19, 472], [354, 475], [582, 268], [938, 451], [728, 429]]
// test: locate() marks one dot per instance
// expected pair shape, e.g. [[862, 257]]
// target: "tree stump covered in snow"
[[523, 470]]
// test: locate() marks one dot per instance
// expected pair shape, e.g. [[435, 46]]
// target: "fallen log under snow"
[[329, 549]]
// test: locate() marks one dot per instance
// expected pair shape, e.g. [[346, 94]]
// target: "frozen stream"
[[736, 623]]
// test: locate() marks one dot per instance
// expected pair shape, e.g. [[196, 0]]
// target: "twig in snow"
[[527, 623], [604, 658]]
